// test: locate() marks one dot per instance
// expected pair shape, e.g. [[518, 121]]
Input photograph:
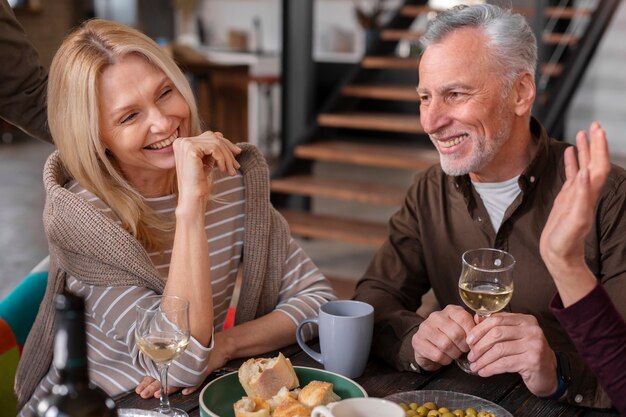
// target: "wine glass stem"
[[164, 404], [482, 316]]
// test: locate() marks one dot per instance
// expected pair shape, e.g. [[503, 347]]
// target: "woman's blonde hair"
[[73, 117]]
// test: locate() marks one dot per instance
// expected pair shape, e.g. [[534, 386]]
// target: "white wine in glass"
[[164, 347], [485, 298], [162, 334], [485, 285]]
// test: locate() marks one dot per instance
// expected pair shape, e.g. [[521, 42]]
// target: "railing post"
[[298, 70]]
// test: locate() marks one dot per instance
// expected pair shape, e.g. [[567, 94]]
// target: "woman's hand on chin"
[[197, 156]]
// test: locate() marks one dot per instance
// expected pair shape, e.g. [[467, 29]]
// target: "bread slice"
[[263, 378], [281, 396], [317, 393], [251, 407], [292, 408]]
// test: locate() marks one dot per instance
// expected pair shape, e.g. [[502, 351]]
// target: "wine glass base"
[[174, 412], [464, 364]]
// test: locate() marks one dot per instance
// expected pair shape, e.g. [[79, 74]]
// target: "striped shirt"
[[115, 363]]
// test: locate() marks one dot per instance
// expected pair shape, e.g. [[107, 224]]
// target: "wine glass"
[[485, 285], [162, 334]]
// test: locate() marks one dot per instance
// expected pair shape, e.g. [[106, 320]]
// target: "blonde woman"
[[140, 201]]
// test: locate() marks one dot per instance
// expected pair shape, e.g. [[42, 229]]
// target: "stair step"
[[555, 12], [550, 12], [399, 34], [380, 155], [394, 62], [390, 122], [548, 38], [415, 11], [389, 62], [333, 228], [553, 38], [341, 189], [381, 92], [552, 70]]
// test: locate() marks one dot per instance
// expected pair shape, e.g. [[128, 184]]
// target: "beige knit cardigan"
[[86, 244]]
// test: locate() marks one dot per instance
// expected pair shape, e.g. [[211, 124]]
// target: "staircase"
[[371, 127]]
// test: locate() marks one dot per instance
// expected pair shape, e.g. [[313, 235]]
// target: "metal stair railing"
[[562, 90], [288, 158]]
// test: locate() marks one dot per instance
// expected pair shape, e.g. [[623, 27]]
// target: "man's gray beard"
[[452, 167], [483, 153]]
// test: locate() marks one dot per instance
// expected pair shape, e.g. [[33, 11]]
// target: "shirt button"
[[578, 398], [532, 179], [480, 219]]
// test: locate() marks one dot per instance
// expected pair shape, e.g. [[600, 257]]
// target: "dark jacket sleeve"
[[599, 334], [22, 78], [394, 284]]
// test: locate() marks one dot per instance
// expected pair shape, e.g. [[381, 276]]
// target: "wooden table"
[[380, 380]]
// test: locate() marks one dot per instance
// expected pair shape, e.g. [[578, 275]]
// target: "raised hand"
[[441, 337], [562, 239]]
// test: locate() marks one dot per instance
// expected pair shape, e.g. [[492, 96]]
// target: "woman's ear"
[[524, 91]]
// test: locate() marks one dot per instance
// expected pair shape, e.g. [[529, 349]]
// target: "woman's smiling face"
[[141, 113]]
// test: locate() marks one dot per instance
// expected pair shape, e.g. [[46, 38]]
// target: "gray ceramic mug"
[[345, 333]]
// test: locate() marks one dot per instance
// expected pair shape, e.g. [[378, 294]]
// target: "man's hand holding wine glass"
[[441, 338], [513, 343], [494, 343]]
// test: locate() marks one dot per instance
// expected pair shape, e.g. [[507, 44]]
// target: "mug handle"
[[315, 355], [321, 411]]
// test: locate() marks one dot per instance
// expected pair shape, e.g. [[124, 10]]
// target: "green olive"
[[430, 409], [422, 411], [431, 406]]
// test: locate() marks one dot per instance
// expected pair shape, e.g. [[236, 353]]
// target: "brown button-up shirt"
[[443, 216]]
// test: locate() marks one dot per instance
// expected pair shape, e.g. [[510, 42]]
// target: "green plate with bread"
[[218, 396]]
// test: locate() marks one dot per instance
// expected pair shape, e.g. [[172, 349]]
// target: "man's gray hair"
[[511, 40]]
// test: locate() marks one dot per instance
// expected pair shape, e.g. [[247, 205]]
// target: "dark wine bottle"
[[73, 395]]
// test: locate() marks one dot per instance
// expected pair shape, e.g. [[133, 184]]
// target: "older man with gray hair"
[[498, 175]]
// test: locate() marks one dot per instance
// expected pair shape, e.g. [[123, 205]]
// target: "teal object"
[[18, 311], [19, 308], [218, 396]]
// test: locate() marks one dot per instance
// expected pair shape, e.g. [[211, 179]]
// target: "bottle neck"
[[70, 348]]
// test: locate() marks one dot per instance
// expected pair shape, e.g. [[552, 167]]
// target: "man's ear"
[[524, 91]]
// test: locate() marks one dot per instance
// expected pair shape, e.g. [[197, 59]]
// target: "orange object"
[[229, 322]]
